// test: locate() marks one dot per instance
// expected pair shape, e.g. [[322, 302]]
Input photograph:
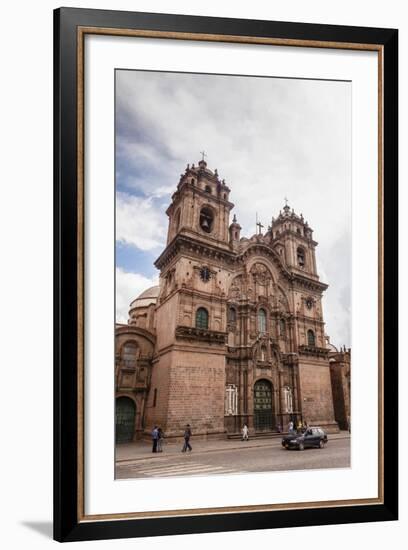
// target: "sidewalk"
[[141, 450]]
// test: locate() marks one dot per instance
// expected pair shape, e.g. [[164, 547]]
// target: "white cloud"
[[128, 287], [268, 137], [139, 222]]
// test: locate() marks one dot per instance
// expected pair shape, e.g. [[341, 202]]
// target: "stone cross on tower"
[[258, 225], [204, 154]]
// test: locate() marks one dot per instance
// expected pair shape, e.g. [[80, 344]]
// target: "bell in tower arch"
[[206, 219]]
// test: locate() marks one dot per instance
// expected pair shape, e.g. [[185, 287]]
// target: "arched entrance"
[[125, 419], [264, 418]]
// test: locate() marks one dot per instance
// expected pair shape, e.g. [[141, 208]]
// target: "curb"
[[213, 450]]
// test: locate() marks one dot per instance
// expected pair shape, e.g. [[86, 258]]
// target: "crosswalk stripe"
[[168, 467], [184, 468], [188, 473], [179, 470], [197, 474], [192, 472], [163, 466]]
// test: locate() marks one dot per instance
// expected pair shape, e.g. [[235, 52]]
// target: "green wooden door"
[[125, 419], [263, 406]]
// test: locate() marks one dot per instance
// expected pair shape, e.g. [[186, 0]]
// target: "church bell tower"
[[188, 378], [200, 206], [293, 237]]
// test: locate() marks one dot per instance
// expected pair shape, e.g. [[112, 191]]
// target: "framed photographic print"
[[225, 274]]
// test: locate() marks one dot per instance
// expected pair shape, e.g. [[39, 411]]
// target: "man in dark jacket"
[[187, 435], [155, 438]]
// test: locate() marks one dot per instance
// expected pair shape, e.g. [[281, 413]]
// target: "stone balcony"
[[203, 335], [313, 351]]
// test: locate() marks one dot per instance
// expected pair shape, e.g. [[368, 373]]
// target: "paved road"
[[271, 458]]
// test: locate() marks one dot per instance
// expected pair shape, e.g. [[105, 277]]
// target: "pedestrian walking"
[[187, 436], [245, 436], [155, 439], [160, 440], [290, 427]]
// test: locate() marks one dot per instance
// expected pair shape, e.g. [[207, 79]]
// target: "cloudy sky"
[[270, 138]]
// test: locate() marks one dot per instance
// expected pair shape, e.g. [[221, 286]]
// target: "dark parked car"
[[312, 437]]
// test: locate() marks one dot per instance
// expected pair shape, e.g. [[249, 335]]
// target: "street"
[[239, 458]]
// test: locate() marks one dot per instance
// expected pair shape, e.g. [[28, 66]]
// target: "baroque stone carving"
[[236, 288], [261, 274]]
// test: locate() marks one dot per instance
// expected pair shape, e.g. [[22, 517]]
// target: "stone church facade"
[[234, 333]]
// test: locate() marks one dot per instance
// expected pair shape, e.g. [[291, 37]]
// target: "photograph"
[[233, 251]]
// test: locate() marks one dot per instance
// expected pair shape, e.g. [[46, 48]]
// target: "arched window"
[[202, 318], [129, 354], [288, 399], [232, 315], [208, 189], [262, 320], [192, 181], [231, 399], [311, 341], [301, 257], [206, 219], [282, 326]]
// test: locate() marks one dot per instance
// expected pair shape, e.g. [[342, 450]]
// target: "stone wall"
[[190, 390], [316, 394]]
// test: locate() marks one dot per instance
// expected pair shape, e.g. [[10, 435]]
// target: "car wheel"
[[301, 447], [321, 444]]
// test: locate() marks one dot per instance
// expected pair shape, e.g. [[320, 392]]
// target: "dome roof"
[[332, 347], [146, 298], [151, 292]]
